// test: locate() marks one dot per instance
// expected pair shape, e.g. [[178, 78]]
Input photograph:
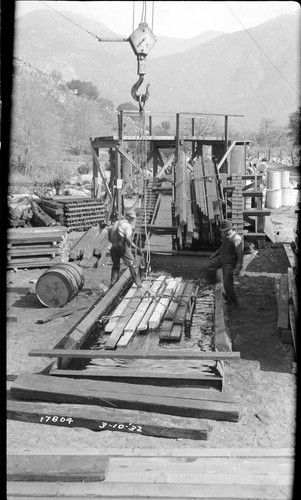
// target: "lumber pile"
[[237, 204], [76, 213], [164, 305], [36, 246], [91, 248], [178, 473], [198, 207]]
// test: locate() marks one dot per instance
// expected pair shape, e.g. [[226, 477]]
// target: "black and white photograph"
[[150, 197]]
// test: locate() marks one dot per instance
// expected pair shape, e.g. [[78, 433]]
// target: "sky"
[[179, 19]]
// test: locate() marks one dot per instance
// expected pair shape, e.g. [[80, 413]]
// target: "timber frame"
[[115, 144], [229, 159]]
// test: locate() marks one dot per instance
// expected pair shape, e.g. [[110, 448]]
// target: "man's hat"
[[131, 213], [225, 225]]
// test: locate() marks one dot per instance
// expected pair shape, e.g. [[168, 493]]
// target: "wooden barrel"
[[274, 179], [59, 284], [273, 198]]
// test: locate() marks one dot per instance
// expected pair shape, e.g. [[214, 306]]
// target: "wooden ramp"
[[170, 473]]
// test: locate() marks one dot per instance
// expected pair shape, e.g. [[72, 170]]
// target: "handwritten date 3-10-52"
[[102, 425]]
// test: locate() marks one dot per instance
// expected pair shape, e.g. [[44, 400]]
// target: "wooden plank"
[[107, 419], [123, 321], [193, 378], [118, 312], [142, 398], [77, 335], [90, 354], [222, 340], [104, 180], [283, 318], [293, 325], [156, 290], [132, 325], [155, 491], [292, 289], [290, 254], [176, 332], [56, 468], [283, 455]]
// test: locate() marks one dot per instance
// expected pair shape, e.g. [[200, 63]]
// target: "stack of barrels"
[[279, 192]]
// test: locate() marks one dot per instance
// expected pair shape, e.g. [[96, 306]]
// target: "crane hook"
[[141, 98]]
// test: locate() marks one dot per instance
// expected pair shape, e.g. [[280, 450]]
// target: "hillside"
[[227, 74]]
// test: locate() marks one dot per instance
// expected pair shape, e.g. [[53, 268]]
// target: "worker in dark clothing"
[[120, 236], [229, 258]]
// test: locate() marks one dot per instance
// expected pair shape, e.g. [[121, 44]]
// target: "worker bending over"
[[229, 258], [120, 236]]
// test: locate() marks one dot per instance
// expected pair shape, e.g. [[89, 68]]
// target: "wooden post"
[[226, 142], [154, 150], [95, 175], [176, 155], [193, 132], [150, 126], [118, 180]]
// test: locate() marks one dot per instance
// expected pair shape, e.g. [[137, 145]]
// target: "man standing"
[[229, 258], [120, 236]]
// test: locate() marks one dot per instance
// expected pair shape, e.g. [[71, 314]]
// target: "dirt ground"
[[264, 377]]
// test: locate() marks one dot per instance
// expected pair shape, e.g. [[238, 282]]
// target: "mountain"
[[254, 73], [168, 45]]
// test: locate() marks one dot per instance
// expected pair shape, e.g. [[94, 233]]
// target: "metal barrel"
[[59, 285]]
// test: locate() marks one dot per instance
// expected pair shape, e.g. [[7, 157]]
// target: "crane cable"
[[141, 158], [144, 14]]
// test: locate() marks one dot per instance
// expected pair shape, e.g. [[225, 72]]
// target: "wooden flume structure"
[[212, 169]]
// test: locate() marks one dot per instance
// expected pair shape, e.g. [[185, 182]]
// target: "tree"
[[127, 106], [105, 103], [36, 128], [293, 129], [83, 89], [81, 123]]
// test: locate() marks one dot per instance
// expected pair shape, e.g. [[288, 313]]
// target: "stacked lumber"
[[163, 305], [155, 473], [76, 213], [237, 204], [91, 248], [36, 246], [212, 196]]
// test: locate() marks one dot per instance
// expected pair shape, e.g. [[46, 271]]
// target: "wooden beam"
[[290, 254], [77, 335], [283, 317], [165, 166], [130, 159], [56, 468], [108, 419], [181, 402], [203, 376], [104, 180], [101, 354]]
